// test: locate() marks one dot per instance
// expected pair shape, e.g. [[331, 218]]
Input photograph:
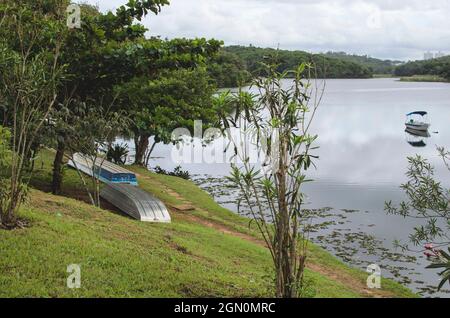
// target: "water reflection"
[[363, 160], [417, 138]]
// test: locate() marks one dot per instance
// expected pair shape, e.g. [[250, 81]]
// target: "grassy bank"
[[423, 78], [207, 251], [383, 76]]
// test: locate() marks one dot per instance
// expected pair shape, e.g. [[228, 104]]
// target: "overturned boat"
[[121, 189], [103, 170], [136, 202]]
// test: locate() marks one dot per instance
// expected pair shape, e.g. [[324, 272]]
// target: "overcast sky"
[[396, 29]]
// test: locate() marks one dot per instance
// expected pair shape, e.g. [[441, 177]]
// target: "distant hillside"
[[377, 66], [327, 66], [436, 67], [234, 65], [228, 70]]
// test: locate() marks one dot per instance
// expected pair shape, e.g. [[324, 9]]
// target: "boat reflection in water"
[[417, 138]]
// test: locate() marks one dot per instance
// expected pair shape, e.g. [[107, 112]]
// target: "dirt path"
[[332, 273], [336, 275]]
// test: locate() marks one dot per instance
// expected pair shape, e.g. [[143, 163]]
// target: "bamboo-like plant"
[[90, 138], [29, 77], [278, 119]]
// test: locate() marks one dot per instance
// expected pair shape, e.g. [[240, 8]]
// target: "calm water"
[[363, 151]]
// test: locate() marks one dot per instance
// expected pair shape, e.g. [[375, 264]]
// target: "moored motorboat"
[[417, 121], [417, 138], [418, 133]]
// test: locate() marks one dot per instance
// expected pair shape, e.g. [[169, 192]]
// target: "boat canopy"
[[421, 113]]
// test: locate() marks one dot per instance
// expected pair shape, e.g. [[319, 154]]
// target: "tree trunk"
[[149, 154], [285, 273], [141, 144], [58, 168]]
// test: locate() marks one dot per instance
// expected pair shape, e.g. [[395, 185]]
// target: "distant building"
[[431, 55], [439, 54], [428, 56]]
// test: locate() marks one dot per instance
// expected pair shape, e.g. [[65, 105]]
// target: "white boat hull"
[[418, 127]]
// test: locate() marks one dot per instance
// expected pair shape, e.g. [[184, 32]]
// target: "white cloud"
[[402, 29]]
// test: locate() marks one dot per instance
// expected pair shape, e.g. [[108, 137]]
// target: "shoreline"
[[204, 252], [424, 79]]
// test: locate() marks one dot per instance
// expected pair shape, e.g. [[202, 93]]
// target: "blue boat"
[[103, 170], [121, 189]]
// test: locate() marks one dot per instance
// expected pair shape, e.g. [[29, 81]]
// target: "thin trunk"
[[141, 143], [149, 154], [80, 174], [58, 168], [286, 284]]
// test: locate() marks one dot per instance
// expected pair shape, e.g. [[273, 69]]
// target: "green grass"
[[121, 257], [423, 78], [215, 212], [383, 76]]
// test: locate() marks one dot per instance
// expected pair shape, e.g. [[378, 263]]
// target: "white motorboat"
[[417, 121]]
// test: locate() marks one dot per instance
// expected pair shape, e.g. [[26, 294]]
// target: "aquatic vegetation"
[[335, 230], [428, 201], [177, 172]]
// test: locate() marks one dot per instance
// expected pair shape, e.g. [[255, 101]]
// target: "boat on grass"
[[121, 189]]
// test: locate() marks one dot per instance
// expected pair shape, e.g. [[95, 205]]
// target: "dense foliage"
[[376, 65], [326, 67], [177, 172], [30, 76], [95, 60], [108, 51], [104, 60], [228, 70], [438, 67], [169, 88], [5, 151]]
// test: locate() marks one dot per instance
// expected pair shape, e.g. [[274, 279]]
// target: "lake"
[[363, 159]]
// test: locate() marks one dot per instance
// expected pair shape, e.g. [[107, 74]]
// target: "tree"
[[228, 70], [437, 67], [171, 89], [98, 58], [278, 120], [29, 80], [326, 66], [429, 202]]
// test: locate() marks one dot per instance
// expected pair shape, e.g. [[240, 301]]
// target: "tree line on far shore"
[[235, 65], [436, 67], [253, 59]]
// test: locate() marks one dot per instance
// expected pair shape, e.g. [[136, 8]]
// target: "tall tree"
[[228, 70], [30, 75], [96, 59], [171, 89]]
